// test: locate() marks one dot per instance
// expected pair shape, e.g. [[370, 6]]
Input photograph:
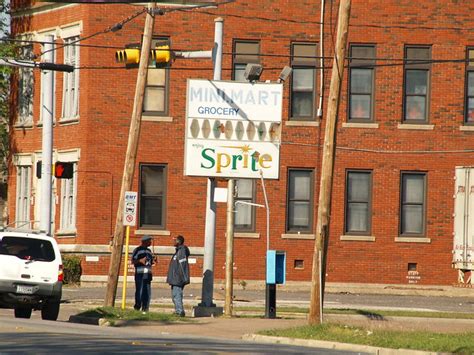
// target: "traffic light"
[[130, 56], [162, 55], [63, 170]]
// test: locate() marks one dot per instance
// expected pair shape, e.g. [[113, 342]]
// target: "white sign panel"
[[233, 129], [130, 209]]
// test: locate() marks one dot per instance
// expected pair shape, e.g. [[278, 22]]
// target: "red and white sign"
[[130, 209]]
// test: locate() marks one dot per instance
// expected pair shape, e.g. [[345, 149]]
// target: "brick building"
[[405, 123]]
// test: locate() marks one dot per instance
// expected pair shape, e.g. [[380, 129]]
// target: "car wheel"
[[23, 312], [50, 310]]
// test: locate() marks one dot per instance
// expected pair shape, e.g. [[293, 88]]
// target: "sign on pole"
[[233, 129], [130, 209]]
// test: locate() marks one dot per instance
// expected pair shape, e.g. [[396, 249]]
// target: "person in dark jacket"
[[143, 260], [178, 274]]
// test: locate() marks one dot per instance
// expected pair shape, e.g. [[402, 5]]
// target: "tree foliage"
[[6, 50]]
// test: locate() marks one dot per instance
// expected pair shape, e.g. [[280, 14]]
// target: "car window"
[[27, 248]]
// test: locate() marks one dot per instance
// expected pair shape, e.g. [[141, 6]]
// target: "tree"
[[6, 50]]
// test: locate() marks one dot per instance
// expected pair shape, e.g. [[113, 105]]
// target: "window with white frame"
[[71, 80], [23, 192], [68, 203], [299, 215], [25, 88], [244, 213]]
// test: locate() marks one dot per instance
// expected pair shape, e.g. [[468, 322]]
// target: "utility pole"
[[229, 252], [324, 207], [47, 139], [130, 158], [210, 227]]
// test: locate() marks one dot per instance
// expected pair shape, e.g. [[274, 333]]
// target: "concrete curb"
[[333, 345]]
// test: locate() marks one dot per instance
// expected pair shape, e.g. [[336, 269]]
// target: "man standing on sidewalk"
[[143, 260], [178, 274]]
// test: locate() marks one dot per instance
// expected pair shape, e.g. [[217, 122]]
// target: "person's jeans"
[[142, 292], [177, 296]]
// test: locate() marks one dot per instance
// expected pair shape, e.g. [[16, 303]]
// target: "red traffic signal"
[[63, 170]]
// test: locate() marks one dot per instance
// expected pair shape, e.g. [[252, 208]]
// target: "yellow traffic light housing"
[[162, 55], [128, 56]]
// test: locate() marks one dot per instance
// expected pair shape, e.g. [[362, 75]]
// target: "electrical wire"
[[113, 28]]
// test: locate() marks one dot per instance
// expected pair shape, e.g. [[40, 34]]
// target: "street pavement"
[[18, 336], [219, 335]]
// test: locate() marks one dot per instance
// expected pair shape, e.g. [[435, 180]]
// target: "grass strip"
[[113, 314], [419, 340], [368, 313]]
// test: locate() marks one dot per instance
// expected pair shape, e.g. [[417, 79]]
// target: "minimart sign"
[[233, 129]]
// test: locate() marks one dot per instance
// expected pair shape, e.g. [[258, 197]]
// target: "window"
[[71, 80], [244, 52], [245, 214], [469, 116], [303, 63], [27, 248], [361, 83], [358, 202], [23, 191], [152, 196], [417, 75], [25, 88], [299, 203], [68, 202], [413, 197], [155, 102]]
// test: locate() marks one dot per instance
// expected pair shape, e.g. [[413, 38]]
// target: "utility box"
[[276, 267]]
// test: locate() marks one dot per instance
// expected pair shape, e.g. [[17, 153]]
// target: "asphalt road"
[[44, 337], [192, 296]]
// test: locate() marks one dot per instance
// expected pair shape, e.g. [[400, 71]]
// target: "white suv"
[[31, 274]]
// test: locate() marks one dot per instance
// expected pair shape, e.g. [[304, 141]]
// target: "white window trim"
[[21, 161], [72, 155], [26, 121], [66, 32]]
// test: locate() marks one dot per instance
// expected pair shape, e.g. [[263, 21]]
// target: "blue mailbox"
[[276, 267]]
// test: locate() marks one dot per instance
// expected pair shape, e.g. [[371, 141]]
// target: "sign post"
[[130, 218]]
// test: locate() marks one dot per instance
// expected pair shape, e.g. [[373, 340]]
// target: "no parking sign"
[[130, 209]]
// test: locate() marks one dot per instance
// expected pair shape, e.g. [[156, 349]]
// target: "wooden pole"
[[130, 158], [229, 254], [324, 207]]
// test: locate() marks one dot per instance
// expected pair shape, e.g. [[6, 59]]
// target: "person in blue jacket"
[[178, 274], [143, 260]]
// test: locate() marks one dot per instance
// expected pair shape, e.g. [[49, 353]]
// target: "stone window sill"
[[67, 121], [360, 125], [152, 232], [65, 234], [156, 118], [246, 235], [359, 238], [412, 240], [28, 125], [297, 236], [302, 123], [466, 128], [416, 127]]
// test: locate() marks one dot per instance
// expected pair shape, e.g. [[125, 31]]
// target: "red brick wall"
[[107, 98]]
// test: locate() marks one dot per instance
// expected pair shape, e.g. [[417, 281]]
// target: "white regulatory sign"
[[130, 209]]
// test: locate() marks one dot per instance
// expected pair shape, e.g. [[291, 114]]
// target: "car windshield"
[[27, 248]]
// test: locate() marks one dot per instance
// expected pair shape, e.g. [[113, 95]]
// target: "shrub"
[[72, 269]]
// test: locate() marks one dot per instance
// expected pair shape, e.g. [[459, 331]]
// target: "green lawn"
[[454, 343]]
